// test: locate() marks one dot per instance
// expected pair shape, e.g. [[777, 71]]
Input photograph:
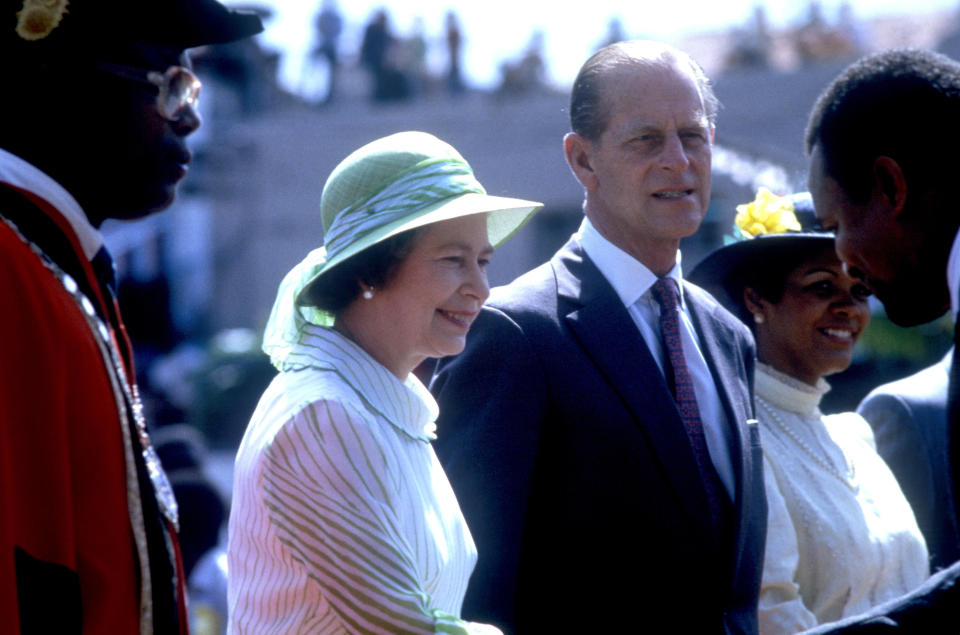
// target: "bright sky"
[[498, 30]]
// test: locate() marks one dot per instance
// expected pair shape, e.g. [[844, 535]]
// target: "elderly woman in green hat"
[[342, 518], [841, 536]]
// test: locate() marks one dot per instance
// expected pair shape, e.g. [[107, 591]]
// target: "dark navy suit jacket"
[[571, 464], [909, 420]]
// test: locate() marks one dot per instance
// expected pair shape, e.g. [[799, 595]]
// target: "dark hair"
[[588, 111], [767, 274], [884, 105], [374, 266]]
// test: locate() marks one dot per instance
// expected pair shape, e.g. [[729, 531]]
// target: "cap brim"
[[505, 216], [720, 270], [197, 23], [98, 28]]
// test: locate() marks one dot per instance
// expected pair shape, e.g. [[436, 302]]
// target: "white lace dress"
[[841, 537]]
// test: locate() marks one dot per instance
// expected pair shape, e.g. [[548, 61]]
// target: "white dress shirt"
[[632, 281]]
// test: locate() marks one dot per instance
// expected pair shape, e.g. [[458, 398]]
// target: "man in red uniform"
[[98, 103]]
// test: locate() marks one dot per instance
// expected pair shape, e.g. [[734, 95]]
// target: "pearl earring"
[[758, 318], [368, 293]]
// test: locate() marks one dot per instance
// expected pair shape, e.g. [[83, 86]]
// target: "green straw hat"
[[391, 185]]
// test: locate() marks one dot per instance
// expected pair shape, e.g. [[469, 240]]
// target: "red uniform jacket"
[[87, 540]]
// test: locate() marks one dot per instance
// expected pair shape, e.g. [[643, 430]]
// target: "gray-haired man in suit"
[[596, 431]]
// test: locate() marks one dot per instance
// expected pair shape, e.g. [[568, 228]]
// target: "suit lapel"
[[605, 330], [718, 343]]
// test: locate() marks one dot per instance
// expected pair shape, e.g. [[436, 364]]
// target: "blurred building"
[[249, 209]]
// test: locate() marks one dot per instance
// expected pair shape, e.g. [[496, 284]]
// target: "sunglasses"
[[177, 87]]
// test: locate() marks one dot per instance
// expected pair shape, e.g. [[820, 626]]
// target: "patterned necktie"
[[678, 378]]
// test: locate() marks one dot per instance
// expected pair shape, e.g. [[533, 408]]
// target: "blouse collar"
[[407, 405], [789, 393]]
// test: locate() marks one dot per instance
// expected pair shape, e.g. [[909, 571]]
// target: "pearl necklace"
[[848, 479]]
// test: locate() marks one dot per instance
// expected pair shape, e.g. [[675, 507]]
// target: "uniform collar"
[[23, 175]]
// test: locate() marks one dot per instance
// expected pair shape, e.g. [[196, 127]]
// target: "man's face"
[[876, 246], [651, 165], [133, 157]]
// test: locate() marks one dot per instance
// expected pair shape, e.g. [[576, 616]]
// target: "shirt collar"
[[629, 277], [407, 405], [953, 276], [21, 174]]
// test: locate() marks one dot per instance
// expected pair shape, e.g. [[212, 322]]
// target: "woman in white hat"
[[841, 536], [342, 519]]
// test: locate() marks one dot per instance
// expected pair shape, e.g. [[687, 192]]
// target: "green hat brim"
[[505, 216]]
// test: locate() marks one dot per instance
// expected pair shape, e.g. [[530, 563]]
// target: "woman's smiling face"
[[428, 304], [811, 331]]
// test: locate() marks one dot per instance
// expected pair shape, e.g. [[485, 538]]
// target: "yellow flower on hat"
[[766, 214], [38, 18]]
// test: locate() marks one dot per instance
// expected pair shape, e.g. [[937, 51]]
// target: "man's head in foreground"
[[883, 141]]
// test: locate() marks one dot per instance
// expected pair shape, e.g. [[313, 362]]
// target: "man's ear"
[[890, 184], [579, 152]]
